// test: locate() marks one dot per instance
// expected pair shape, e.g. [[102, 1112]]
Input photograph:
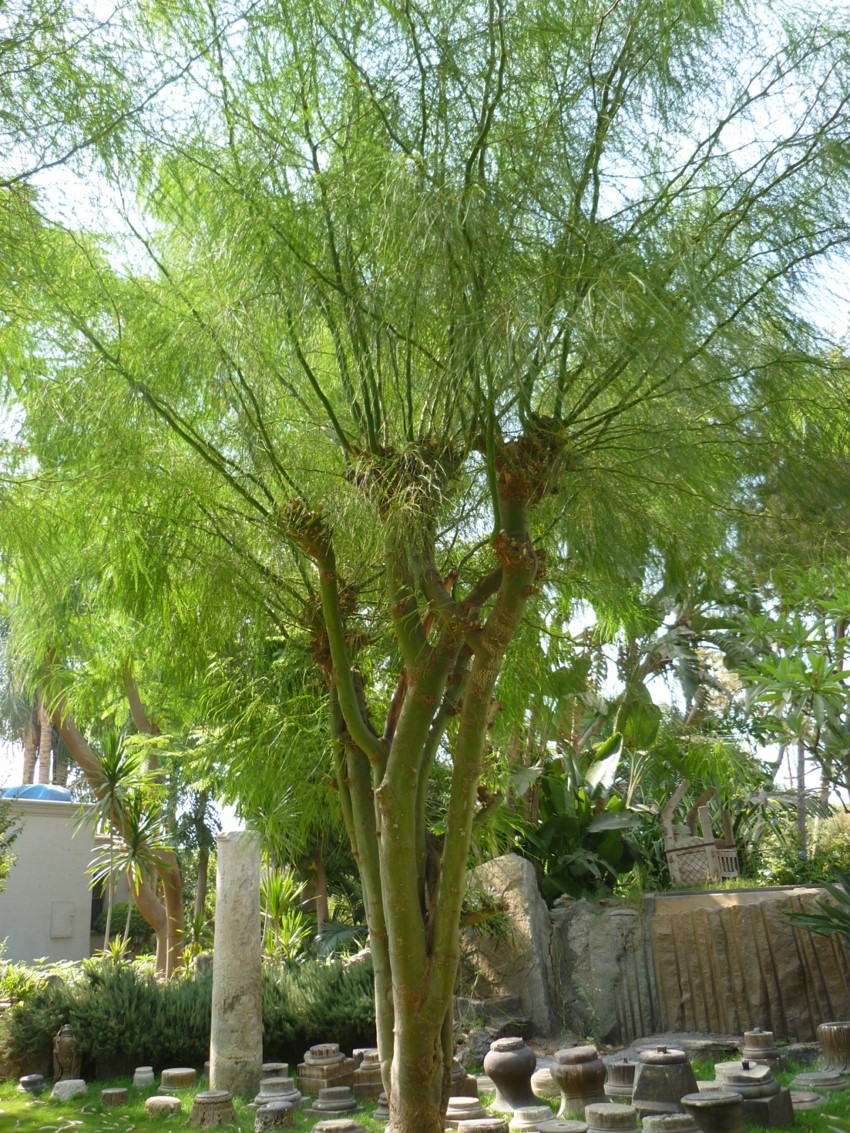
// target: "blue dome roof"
[[42, 791]]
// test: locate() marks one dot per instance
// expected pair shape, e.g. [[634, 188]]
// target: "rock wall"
[[731, 961], [521, 960], [604, 970], [720, 962]]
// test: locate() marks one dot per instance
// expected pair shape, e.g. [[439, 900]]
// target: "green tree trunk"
[[413, 899]]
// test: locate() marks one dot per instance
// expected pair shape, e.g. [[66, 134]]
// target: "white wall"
[[45, 908]]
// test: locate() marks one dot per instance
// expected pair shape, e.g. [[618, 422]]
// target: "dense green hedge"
[[123, 1018]]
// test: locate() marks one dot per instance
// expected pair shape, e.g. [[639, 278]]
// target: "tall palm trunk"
[[30, 738], [45, 744], [110, 893], [165, 917], [802, 832]]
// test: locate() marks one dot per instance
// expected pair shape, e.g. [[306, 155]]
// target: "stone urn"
[[510, 1064], [580, 1075], [66, 1063]]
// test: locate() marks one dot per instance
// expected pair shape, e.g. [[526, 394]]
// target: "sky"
[[11, 764]]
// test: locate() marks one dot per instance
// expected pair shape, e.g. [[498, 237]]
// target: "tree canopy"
[[420, 317]]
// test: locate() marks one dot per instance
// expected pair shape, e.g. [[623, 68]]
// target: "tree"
[[425, 291], [9, 830], [72, 638]]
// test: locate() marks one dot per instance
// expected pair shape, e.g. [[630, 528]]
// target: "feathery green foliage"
[[411, 306]]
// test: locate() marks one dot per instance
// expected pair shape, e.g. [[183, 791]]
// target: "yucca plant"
[[830, 919], [287, 929]]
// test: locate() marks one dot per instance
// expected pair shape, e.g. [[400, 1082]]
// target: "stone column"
[[236, 1040]]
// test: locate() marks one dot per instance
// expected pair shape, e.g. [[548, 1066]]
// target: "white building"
[[47, 907]]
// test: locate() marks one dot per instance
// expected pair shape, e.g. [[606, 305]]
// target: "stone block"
[[278, 1090], [527, 1119], [463, 1108], [69, 1088], [338, 1125], [560, 1125], [368, 1083], [611, 1117], [822, 1080], [806, 1099], [381, 1112], [334, 1101], [484, 1125], [774, 1112], [318, 1072]]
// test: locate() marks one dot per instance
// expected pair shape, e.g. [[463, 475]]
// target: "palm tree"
[[122, 773]]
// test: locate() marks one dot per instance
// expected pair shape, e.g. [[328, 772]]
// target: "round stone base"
[[143, 1076], [178, 1078], [274, 1115], [31, 1083], [806, 1099], [118, 1095], [819, 1080], [211, 1108], [163, 1105]]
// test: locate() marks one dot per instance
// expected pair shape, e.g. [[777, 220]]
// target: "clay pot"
[[580, 1075], [510, 1064]]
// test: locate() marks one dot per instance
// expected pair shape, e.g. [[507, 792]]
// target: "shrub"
[[786, 865], [140, 930], [314, 1002], [28, 1028], [122, 1017], [17, 981], [125, 1018]]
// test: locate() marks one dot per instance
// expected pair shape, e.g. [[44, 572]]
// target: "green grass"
[[832, 1117], [23, 1114]]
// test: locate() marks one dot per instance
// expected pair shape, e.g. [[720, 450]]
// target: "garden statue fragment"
[[697, 857]]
